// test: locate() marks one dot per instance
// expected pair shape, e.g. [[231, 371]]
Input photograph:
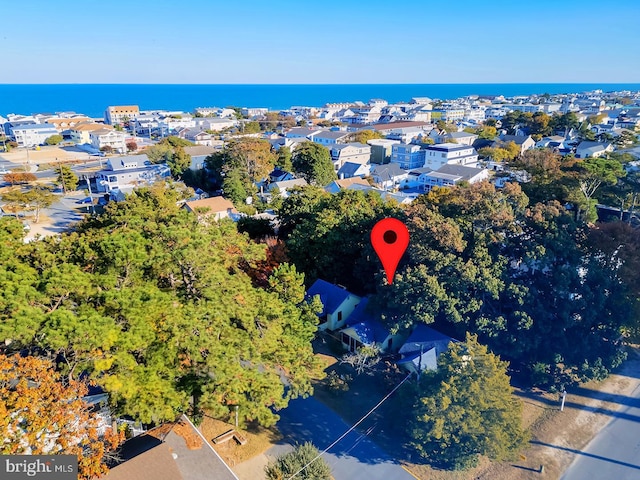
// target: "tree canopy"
[[313, 162], [290, 463], [40, 414], [157, 308], [466, 409]]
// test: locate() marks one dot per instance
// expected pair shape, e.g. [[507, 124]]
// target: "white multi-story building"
[[81, 133], [116, 141], [119, 114], [450, 153], [129, 171], [349, 152], [33, 134]]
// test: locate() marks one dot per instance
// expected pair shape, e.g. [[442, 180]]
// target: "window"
[[339, 316]]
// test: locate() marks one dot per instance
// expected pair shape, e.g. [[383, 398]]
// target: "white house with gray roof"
[[449, 153], [33, 134], [450, 175], [329, 137], [129, 171]]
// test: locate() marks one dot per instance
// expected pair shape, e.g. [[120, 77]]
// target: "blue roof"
[[331, 295], [426, 338], [368, 328]]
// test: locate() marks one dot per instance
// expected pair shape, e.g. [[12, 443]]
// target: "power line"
[[353, 427]]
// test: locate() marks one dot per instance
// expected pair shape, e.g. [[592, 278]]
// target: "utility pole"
[[64, 186], [564, 395], [93, 207]]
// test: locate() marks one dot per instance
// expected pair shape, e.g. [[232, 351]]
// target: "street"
[[353, 458], [615, 451]]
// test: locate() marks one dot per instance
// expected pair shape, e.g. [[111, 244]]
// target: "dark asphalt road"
[[615, 452], [354, 458]]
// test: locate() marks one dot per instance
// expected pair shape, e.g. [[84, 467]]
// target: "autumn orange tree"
[[40, 415]]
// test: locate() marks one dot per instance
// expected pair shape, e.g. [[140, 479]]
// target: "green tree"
[[53, 140], [291, 463], [234, 187], [284, 159], [99, 299], [179, 162], [593, 172], [33, 200], [313, 162], [466, 409], [330, 234], [66, 178], [250, 127], [159, 153], [174, 142]]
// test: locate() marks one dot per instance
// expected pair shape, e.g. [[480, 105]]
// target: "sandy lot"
[[22, 156]]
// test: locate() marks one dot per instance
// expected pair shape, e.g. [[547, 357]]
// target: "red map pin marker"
[[390, 239]]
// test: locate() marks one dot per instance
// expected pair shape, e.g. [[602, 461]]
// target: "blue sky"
[[282, 41]]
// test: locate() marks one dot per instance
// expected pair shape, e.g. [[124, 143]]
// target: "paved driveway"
[[355, 457], [615, 452]]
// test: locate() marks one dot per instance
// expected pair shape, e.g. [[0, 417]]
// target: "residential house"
[[422, 348], [381, 150], [218, 124], [449, 153], [363, 329], [475, 115], [106, 138], [253, 112], [67, 123], [170, 452], [33, 134], [81, 133], [453, 114], [126, 172], [416, 179], [338, 303], [556, 143], [449, 175], [593, 149], [524, 142], [279, 175], [388, 177], [407, 156], [351, 170], [283, 187], [302, 132], [199, 154], [212, 207], [119, 114], [404, 131], [329, 137], [461, 138], [346, 183], [349, 152]]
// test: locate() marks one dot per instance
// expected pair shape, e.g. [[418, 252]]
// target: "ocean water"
[[92, 99]]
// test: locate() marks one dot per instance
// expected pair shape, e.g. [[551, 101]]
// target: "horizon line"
[[325, 84]]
